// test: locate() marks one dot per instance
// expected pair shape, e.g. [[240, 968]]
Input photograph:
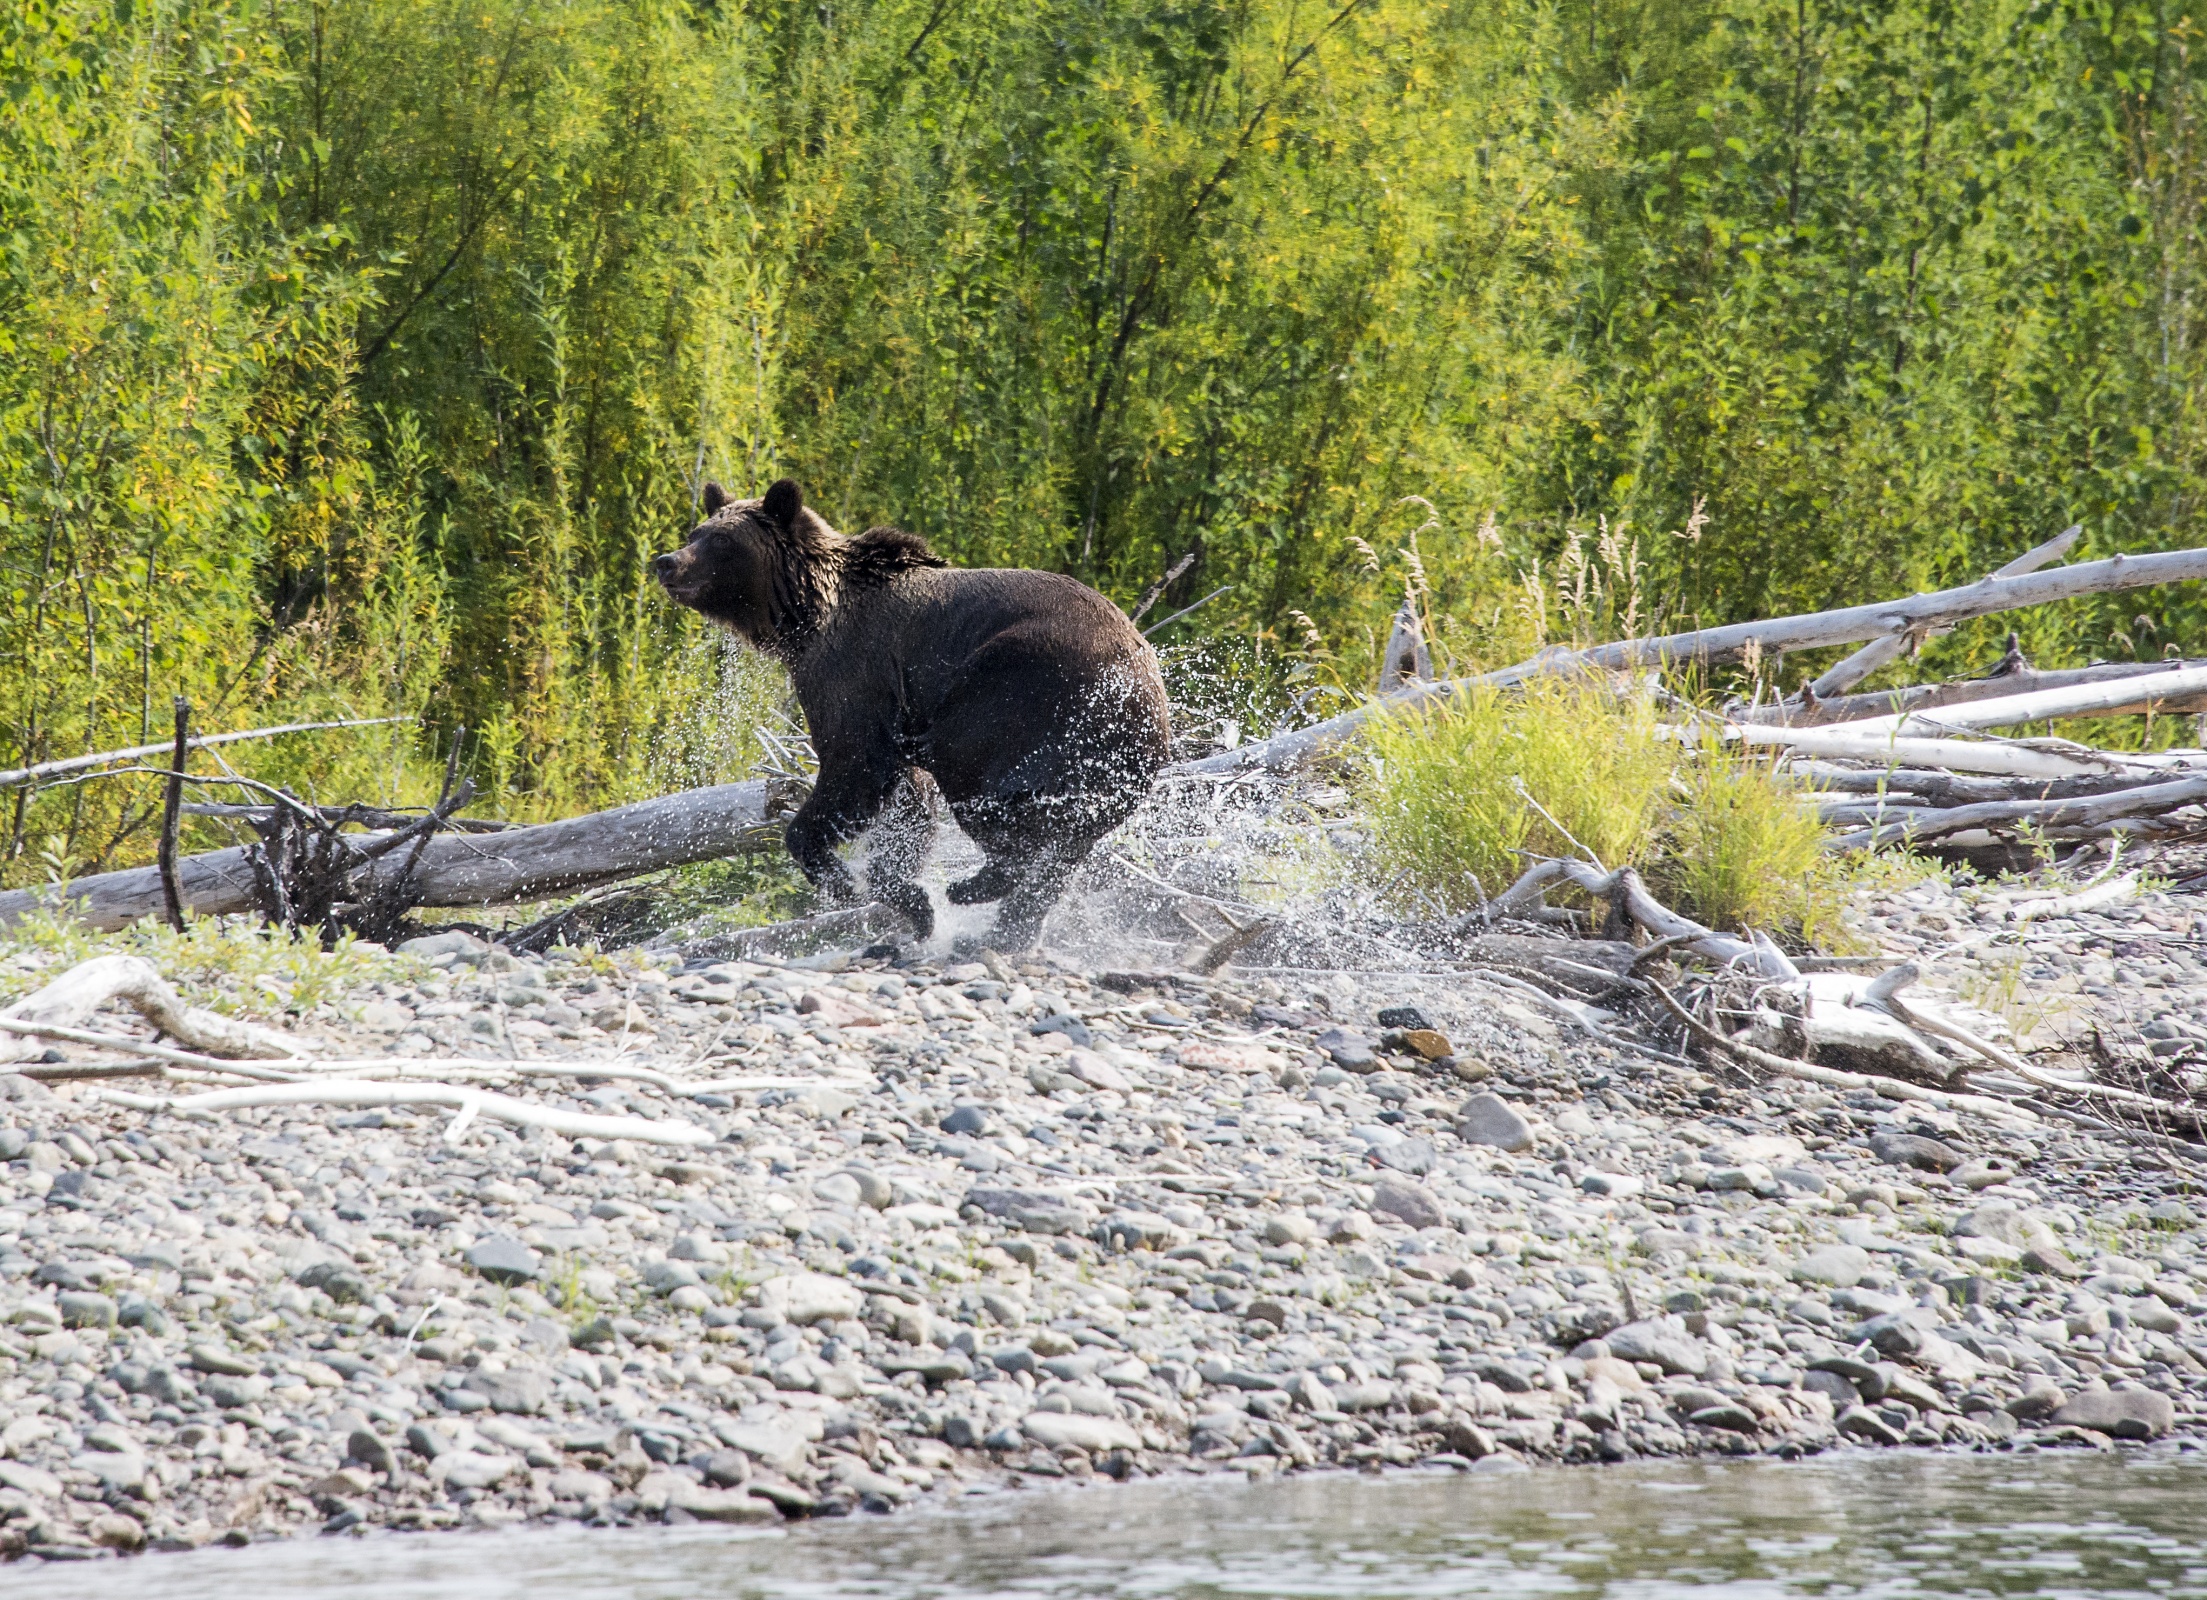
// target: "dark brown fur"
[[1027, 698]]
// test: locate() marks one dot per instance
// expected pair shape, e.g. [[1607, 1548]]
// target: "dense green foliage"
[[355, 357]]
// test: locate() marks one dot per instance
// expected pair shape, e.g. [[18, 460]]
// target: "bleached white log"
[[1833, 1078], [2043, 705], [1926, 697], [460, 1097], [1406, 660], [1849, 743], [53, 1012], [206, 741]]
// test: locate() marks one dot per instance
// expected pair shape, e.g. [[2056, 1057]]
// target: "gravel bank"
[[1012, 1222]]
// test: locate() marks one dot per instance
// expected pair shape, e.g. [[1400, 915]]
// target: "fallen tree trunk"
[[467, 870], [1927, 696], [1879, 652], [1917, 825], [1958, 789], [1772, 637], [2106, 697], [1850, 743]]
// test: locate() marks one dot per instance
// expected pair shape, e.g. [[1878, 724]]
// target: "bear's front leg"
[[843, 803]]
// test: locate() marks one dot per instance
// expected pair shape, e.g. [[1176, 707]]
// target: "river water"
[[2049, 1525]]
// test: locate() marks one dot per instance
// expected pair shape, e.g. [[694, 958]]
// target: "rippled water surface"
[[1852, 1525]]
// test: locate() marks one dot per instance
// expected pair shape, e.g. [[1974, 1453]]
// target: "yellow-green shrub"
[[1443, 788], [1456, 790]]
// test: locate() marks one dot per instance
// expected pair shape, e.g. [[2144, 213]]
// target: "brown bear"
[[1027, 697]]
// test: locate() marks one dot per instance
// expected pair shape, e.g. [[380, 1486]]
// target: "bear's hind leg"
[[1041, 882]]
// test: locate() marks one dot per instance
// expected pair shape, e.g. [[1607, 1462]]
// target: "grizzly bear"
[[1027, 698]]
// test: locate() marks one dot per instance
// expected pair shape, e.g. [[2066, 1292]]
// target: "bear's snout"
[[664, 567]]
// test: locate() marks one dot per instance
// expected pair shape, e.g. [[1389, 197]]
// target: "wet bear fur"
[[1026, 699]]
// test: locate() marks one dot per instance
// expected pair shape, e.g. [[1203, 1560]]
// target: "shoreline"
[[1006, 1222]]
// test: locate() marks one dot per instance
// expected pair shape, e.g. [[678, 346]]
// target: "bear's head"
[[765, 568]]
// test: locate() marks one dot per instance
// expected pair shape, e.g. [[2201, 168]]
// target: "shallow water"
[[1846, 1525]]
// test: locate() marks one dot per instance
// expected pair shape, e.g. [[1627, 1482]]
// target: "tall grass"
[[1463, 792]]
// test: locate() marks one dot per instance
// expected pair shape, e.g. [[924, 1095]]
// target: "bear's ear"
[[782, 503], [715, 497]]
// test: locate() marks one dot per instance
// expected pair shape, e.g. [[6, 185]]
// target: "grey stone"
[[2119, 1413], [1727, 1415], [85, 1310], [453, 943], [1866, 1378], [1490, 1120], [1839, 1265], [234, 1393], [1414, 1156], [1869, 1427], [1349, 1051], [2051, 1260], [664, 1277], [1917, 1151], [1841, 1393], [1675, 1352], [1066, 1023], [520, 1390], [371, 1450], [504, 1259], [1408, 1202], [967, 1119], [169, 1386], [469, 1469]]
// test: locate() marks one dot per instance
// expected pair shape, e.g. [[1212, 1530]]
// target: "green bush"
[[1463, 792]]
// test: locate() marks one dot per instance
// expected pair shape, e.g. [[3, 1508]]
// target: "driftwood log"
[[1912, 824], [1927, 697], [1881, 652], [1772, 637], [469, 869]]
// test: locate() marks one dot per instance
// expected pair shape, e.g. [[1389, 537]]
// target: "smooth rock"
[[806, 1297], [521, 1391], [1060, 1430], [1407, 1202], [504, 1259], [1349, 1051], [471, 1469], [1839, 1265], [2119, 1413], [1488, 1119], [1676, 1352], [1917, 1151]]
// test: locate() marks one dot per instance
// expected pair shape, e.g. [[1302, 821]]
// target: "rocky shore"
[[966, 1225]]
